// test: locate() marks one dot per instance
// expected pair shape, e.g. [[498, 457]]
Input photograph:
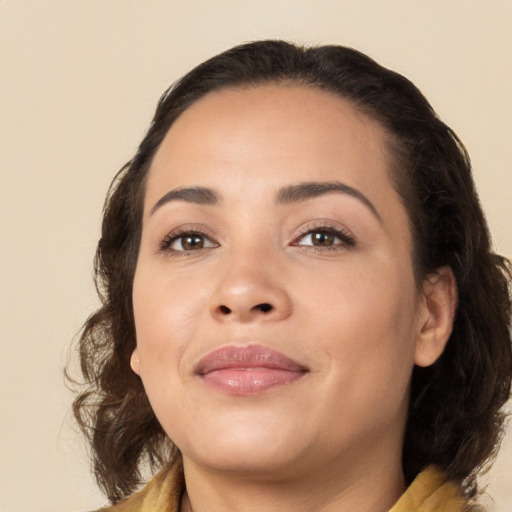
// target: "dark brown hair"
[[454, 414]]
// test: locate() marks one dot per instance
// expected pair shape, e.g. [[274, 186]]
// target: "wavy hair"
[[454, 416]]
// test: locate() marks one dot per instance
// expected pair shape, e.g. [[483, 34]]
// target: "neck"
[[373, 487]]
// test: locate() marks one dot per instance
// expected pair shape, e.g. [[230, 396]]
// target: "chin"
[[266, 464], [249, 451]]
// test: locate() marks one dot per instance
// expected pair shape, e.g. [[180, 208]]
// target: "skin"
[[349, 311]]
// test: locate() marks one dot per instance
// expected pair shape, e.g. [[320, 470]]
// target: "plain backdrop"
[[79, 81]]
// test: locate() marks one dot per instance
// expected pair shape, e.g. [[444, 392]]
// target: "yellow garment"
[[161, 494], [430, 492]]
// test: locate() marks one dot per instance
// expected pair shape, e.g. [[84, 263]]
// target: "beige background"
[[78, 85]]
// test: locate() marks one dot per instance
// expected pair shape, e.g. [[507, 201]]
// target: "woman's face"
[[275, 304]]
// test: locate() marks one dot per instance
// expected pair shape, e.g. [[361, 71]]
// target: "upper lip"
[[246, 356]]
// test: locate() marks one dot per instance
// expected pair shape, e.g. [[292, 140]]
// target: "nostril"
[[265, 307], [225, 310]]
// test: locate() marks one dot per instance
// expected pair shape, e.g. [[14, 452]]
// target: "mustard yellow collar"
[[431, 491]]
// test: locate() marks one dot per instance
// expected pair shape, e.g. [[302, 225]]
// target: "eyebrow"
[[287, 195], [311, 189], [197, 195]]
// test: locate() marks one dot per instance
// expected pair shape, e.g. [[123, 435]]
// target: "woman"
[[301, 310]]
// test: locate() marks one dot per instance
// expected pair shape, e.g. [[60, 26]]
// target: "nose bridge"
[[250, 284]]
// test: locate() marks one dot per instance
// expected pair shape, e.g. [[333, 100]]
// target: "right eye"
[[186, 242]]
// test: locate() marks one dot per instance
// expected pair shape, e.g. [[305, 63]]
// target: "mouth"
[[248, 370]]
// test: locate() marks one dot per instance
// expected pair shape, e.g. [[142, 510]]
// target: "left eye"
[[325, 238]]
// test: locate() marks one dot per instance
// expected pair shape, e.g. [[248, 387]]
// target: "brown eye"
[[190, 242], [186, 242], [326, 238], [323, 238], [320, 238]]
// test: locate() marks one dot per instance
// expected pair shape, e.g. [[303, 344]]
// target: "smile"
[[247, 370]]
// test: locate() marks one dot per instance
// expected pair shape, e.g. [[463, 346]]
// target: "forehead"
[[273, 134]]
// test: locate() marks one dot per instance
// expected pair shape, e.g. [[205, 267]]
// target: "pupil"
[[192, 242], [323, 238]]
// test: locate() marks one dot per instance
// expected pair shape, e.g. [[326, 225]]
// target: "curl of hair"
[[454, 415]]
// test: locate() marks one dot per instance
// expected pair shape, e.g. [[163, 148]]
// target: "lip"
[[247, 370]]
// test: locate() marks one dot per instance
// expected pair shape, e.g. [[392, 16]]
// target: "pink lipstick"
[[247, 370]]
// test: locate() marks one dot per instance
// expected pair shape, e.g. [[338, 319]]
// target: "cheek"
[[167, 313], [365, 316]]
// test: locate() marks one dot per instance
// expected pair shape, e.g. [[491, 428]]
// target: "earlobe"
[[440, 301], [135, 362]]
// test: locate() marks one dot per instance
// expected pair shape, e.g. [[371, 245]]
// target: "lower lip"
[[249, 381]]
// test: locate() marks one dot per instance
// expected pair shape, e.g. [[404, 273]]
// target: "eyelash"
[[347, 240], [166, 243]]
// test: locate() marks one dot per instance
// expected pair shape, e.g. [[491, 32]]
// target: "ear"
[[439, 303], [135, 362]]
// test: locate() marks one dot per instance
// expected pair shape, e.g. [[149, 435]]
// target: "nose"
[[250, 288]]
